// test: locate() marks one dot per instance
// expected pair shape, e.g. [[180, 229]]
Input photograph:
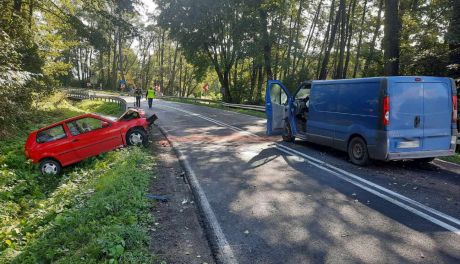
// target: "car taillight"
[[454, 109], [386, 111]]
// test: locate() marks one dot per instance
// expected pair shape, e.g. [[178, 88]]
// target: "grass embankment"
[[453, 159], [105, 108], [219, 106], [96, 212]]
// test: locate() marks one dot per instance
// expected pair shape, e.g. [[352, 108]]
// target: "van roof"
[[396, 78]]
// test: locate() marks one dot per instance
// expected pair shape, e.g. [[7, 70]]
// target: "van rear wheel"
[[287, 133], [357, 152]]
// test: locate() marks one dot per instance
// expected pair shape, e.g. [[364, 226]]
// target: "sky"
[[149, 7]]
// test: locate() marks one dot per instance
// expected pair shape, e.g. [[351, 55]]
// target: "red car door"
[[92, 136], [54, 142]]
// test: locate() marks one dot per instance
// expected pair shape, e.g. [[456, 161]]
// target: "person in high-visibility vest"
[[150, 95]]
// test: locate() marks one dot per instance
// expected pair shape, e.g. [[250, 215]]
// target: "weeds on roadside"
[[95, 212]]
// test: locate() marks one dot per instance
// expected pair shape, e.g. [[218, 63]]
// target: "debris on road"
[[159, 198]]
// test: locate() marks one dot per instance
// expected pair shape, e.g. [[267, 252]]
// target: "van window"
[[304, 92], [277, 94], [323, 98], [51, 134], [359, 99]]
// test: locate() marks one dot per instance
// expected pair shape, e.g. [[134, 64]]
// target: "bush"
[[95, 212]]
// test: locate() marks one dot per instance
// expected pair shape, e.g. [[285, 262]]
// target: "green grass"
[[108, 92], [219, 106], [454, 159], [95, 212], [105, 108]]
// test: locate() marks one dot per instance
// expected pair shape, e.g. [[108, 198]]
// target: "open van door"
[[276, 107]]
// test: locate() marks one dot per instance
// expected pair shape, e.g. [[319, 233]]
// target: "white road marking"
[[225, 252], [379, 194], [355, 180]]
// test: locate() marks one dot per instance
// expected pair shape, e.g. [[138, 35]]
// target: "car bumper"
[[420, 154]]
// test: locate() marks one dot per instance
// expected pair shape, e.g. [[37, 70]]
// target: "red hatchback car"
[[74, 139]]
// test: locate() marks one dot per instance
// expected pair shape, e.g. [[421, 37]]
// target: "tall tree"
[[360, 40], [327, 53], [391, 40], [453, 38], [370, 58]]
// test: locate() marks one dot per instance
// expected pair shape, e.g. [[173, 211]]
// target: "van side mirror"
[[105, 124]]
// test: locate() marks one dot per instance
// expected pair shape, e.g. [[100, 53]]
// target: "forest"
[[232, 47]]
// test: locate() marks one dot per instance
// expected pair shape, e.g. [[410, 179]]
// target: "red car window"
[[84, 125], [73, 128], [51, 134]]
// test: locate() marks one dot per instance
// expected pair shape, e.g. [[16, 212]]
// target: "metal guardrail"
[[259, 108], [79, 94]]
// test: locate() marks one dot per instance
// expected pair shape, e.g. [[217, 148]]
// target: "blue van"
[[381, 118]]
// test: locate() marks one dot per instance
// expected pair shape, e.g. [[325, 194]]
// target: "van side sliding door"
[[323, 116]]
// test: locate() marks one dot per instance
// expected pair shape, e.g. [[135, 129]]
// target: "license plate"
[[409, 144]]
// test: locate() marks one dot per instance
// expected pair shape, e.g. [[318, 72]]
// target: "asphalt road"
[[302, 203]]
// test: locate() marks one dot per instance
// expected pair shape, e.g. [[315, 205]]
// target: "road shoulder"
[[177, 236]]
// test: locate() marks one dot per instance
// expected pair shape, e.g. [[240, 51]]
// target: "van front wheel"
[[287, 133], [357, 152]]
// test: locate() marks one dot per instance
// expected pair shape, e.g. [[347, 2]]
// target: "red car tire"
[[50, 167], [137, 137]]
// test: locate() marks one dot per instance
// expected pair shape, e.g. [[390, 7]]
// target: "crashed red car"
[[74, 139]]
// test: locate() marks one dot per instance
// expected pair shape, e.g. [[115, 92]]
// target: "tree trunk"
[[180, 75], [113, 79], [162, 54], [297, 36], [306, 46], [173, 72], [17, 6], [327, 52], [253, 81], [370, 58], [120, 56], [267, 43], [360, 40], [101, 67], [453, 38], [260, 84], [343, 38], [349, 35], [391, 40]]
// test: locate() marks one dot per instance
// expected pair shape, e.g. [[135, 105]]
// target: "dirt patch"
[[177, 236]]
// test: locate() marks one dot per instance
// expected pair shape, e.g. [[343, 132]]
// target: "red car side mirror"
[[105, 124]]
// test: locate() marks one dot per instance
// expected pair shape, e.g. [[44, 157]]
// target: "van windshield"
[[304, 92]]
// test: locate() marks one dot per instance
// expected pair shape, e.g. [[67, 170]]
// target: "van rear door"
[[420, 114], [437, 108], [276, 106]]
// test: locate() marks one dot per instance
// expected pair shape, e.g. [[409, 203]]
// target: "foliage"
[[106, 108], [219, 106], [95, 212], [233, 46]]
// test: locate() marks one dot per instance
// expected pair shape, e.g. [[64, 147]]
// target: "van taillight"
[[386, 111], [454, 109]]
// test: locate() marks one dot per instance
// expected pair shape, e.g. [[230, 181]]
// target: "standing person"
[[150, 95], [157, 89], [138, 95]]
